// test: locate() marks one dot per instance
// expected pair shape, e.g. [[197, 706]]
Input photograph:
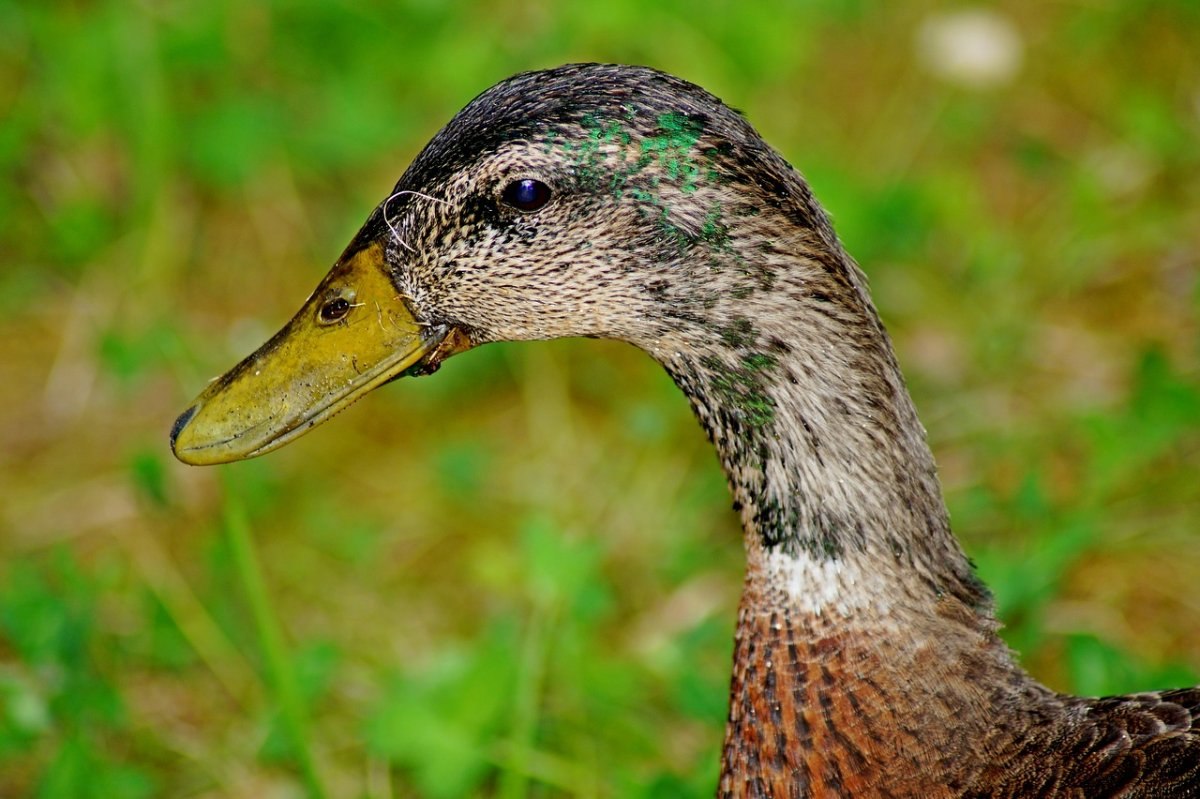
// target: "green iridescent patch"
[[743, 389]]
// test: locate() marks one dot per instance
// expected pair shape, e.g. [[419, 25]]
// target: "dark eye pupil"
[[335, 309], [527, 194]]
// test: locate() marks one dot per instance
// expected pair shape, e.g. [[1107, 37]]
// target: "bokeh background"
[[518, 577]]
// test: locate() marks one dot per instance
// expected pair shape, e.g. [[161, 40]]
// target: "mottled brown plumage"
[[867, 660]]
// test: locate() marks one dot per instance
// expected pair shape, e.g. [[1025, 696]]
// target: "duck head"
[[588, 200]]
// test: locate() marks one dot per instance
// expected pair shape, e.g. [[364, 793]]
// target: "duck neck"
[[794, 379], [860, 608]]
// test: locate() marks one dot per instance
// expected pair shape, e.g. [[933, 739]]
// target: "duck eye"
[[526, 194], [333, 310]]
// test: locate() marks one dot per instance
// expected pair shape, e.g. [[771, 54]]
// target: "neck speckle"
[[801, 395]]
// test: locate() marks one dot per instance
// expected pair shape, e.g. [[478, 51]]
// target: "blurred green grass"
[[518, 577]]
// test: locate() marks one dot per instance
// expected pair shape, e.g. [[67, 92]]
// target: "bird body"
[[620, 202]]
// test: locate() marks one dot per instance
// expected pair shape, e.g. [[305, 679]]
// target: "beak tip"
[[179, 425]]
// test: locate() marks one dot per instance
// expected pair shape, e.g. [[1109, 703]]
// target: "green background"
[[518, 577]]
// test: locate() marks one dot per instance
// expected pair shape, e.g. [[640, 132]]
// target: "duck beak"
[[353, 334]]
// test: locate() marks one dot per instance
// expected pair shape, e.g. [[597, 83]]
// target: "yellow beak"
[[353, 334]]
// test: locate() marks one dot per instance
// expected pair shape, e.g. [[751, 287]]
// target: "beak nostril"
[[181, 422]]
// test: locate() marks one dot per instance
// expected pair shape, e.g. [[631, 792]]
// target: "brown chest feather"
[[817, 713]]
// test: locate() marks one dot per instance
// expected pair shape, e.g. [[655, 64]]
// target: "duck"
[[620, 202]]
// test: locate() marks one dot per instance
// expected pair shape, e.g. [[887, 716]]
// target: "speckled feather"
[[867, 661]]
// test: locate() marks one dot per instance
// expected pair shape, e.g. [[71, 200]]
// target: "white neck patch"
[[827, 586]]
